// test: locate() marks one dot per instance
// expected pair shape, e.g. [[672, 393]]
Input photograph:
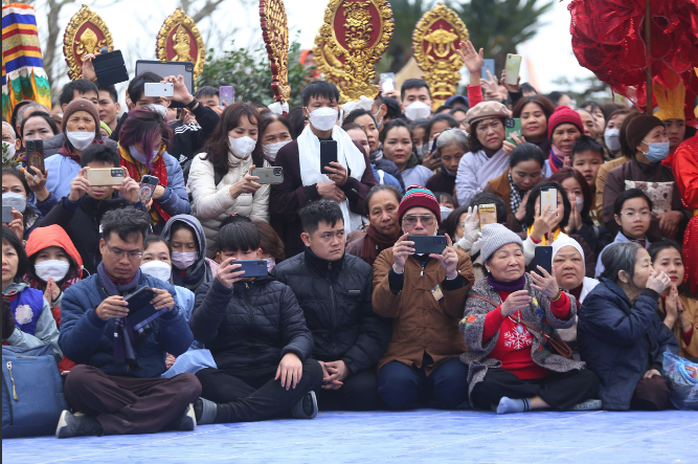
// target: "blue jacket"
[[87, 339], [175, 199], [620, 341], [61, 172]]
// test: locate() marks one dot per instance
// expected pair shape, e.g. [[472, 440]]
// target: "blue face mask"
[[658, 151]]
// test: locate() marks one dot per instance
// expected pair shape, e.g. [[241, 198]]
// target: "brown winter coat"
[[420, 323], [500, 187]]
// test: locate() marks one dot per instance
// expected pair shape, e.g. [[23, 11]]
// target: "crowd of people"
[[350, 315]]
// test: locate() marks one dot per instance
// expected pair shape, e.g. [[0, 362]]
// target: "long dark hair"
[[540, 100], [566, 173], [217, 146], [535, 195], [22, 261], [142, 126]]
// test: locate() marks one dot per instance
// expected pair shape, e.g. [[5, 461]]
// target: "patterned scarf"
[[158, 169], [374, 242], [515, 197]]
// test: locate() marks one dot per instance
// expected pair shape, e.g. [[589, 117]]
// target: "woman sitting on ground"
[[511, 366]]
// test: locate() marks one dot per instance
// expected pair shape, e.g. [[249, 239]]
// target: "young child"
[[587, 158]]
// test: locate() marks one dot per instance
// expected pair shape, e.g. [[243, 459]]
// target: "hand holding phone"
[[158, 89], [35, 154], [226, 93], [512, 127], [488, 214], [513, 64], [147, 187], [387, 82], [328, 154], [6, 214]]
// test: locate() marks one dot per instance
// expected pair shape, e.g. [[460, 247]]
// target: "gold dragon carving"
[[274, 24]]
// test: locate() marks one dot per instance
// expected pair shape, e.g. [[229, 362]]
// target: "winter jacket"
[[475, 170], [384, 178], [378, 161], [620, 341], [61, 168], [420, 322], [212, 203], [87, 339], [500, 186], [620, 238], [189, 280], [537, 313], [53, 144], [336, 300], [82, 221], [32, 311], [251, 325]]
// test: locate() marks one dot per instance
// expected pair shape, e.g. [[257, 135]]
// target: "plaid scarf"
[[515, 197]]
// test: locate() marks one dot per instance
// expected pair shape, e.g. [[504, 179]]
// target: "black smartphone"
[[544, 258], [140, 310], [252, 267], [35, 154], [110, 68], [6, 214], [328, 153], [428, 244]]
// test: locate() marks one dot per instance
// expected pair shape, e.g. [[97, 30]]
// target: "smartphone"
[[548, 197], [488, 214], [328, 153], [6, 214], [273, 175], [35, 154], [544, 258], [105, 176], [158, 89], [170, 68], [226, 94], [512, 126], [252, 267], [512, 67], [487, 65], [428, 244], [110, 68], [140, 310], [148, 184], [387, 82]]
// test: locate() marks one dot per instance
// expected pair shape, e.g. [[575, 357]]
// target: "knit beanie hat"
[[564, 115], [80, 104], [494, 237], [418, 196], [564, 240], [639, 127]]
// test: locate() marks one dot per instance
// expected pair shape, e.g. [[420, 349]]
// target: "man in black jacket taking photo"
[[334, 289]]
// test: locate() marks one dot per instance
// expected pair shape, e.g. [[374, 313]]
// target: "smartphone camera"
[[509, 123], [189, 68], [440, 240], [278, 172]]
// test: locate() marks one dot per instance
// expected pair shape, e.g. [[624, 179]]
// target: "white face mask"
[[10, 148], [421, 150], [80, 140], [580, 203], [161, 110], [417, 110], [183, 259], [612, 139], [323, 119], [51, 268], [140, 157], [158, 269], [242, 147], [271, 149], [16, 200]]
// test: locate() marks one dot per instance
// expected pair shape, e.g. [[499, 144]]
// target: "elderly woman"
[[564, 128], [424, 295], [452, 144], [511, 366], [619, 334]]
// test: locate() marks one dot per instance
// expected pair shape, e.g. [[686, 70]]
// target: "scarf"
[[576, 293], [512, 286], [412, 161], [374, 242], [544, 241], [376, 156], [65, 150], [556, 159], [348, 156], [515, 197], [642, 242], [189, 281], [123, 332], [158, 169]]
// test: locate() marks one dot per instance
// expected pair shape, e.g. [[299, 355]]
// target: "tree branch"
[[206, 10]]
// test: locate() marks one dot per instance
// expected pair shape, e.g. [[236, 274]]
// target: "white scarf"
[[347, 155]]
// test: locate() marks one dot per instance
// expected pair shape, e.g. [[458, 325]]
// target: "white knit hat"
[[494, 237], [564, 240]]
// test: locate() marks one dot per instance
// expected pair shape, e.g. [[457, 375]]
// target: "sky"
[[134, 25]]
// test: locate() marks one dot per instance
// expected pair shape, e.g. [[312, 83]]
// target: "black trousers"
[[561, 390], [359, 393], [129, 404], [253, 394]]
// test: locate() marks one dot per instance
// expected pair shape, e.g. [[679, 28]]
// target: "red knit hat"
[[562, 115], [417, 196]]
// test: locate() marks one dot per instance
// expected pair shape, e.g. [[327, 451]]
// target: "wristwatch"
[[192, 104]]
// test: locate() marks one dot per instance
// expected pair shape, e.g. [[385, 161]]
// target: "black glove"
[[8, 319]]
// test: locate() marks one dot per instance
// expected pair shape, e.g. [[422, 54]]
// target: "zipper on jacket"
[[333, 308], [246, 299], [12, 379]]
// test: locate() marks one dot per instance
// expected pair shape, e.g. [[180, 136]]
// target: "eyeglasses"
[[644, 215], [461, 225], [118, 254], [426, 220]]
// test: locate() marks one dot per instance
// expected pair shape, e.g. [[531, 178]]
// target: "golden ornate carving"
[[351, 40], [180, 40], [434, 45], [85, 33], [272, 16]]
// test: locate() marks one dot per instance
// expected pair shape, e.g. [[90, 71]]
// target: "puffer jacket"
[[212, 203], [87, 339], [620, 341], [253, 324], [336, 299]]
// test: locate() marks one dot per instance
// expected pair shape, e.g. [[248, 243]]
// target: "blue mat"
[[421, 436]]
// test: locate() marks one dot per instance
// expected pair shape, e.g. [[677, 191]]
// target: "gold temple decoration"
[[354, 35], [180, 40], [274, 23], [85, 33], [434, 44]]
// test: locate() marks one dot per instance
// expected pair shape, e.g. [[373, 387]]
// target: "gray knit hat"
[[494, 237]]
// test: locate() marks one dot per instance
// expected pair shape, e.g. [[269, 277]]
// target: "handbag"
[[32, 391], [555, 343]]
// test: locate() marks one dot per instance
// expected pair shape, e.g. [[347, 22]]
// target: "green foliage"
[[250, 74]]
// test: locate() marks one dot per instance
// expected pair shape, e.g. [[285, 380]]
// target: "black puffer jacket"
[[336, 299], [253, 324]]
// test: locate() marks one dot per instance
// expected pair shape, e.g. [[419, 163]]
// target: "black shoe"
[[77, 426], [205, 411], [306, 407], [186, 422]]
